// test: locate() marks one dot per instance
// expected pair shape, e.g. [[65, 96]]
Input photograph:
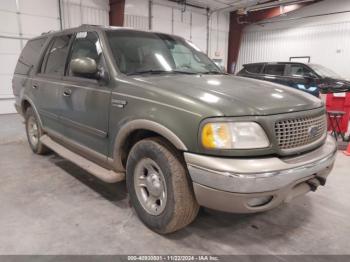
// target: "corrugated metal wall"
[[77, 12], [24, 19], [19, 21], [190, 24], [326, 39]]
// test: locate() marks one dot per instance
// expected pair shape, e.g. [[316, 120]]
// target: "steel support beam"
[[116, 12]]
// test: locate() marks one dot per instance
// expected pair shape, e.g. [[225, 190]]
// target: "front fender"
[[141, 124]]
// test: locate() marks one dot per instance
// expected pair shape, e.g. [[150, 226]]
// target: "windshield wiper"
[[184, 72], [213, 73], [151, 71]]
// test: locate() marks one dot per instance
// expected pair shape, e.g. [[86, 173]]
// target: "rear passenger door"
[[46, 84], [274, 73], [85, 100]]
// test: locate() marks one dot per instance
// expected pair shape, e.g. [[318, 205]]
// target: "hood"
[[234, 96], [335, 83]]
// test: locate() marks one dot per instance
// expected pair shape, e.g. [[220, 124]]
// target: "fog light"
[[259, 201]]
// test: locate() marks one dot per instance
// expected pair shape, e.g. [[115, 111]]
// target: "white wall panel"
[[77, 12], [35, 25], [182, 23], [162, 19], [9, 46], [46, 8], [8, 23], [218, 36], [7, 106], [136, 14], [167, 17], [8, 5], [5, 81], [136, 7], [326, 39], [37, 16], [199, 30], [25, 19], [21, 19]]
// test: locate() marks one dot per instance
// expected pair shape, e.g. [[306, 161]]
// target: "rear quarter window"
[[30, 56]]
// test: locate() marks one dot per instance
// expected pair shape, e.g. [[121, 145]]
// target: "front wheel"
[[159, 188]]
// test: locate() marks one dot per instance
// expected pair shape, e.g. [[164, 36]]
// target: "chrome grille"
[[297, 132]]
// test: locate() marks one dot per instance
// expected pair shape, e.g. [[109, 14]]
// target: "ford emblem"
[[312, 131]]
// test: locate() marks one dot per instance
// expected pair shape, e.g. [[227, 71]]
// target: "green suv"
[[152, 109]]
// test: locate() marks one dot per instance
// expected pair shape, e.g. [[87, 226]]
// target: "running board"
[[106, 175]]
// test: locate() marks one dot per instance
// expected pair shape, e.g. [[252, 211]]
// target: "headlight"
[[233, 135]]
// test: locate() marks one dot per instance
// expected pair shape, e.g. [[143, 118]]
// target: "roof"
[[280, 62], [91, 27]]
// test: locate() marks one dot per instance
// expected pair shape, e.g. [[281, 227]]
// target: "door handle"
[[67, 92], [119, 103], [35, 86]]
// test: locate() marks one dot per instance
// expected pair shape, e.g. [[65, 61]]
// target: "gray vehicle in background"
[[152, 109]]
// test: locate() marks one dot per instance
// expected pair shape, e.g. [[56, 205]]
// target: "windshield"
[[138, 52], [324, 71]]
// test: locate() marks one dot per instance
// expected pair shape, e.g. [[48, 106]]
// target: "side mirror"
[[310, 75], [84, 66]]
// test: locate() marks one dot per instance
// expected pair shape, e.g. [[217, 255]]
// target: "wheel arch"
[[27, 102], [137, 130]]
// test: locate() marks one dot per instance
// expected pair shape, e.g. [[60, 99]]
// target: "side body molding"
[[139, 124]]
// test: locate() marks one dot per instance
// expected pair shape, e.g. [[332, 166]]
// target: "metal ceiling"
[[247, 5]]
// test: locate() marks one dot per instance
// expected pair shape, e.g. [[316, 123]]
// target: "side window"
[[274, 69], [253, 68], [86, 44], [297, 70], [30, 56], [56, 56]]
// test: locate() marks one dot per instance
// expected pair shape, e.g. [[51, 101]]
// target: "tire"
[[33, 128], [176, 206]]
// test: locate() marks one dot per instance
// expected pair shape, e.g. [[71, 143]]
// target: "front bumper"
[[230, 184]]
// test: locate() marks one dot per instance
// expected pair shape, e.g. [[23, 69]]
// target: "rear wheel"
[[34, 132], [159, 187]]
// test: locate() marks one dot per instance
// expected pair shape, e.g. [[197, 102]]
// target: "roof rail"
[[48, 32], [82, 25]]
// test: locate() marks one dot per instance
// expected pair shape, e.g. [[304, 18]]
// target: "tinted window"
[[298, 70], [56, 56], [276, 69], [29, 56], [86, 44], [254, 68]]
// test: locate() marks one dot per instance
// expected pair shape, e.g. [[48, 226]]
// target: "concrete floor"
[[50, 206]]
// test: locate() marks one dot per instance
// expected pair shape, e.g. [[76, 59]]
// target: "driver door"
[[300, 77], [85, 99]]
